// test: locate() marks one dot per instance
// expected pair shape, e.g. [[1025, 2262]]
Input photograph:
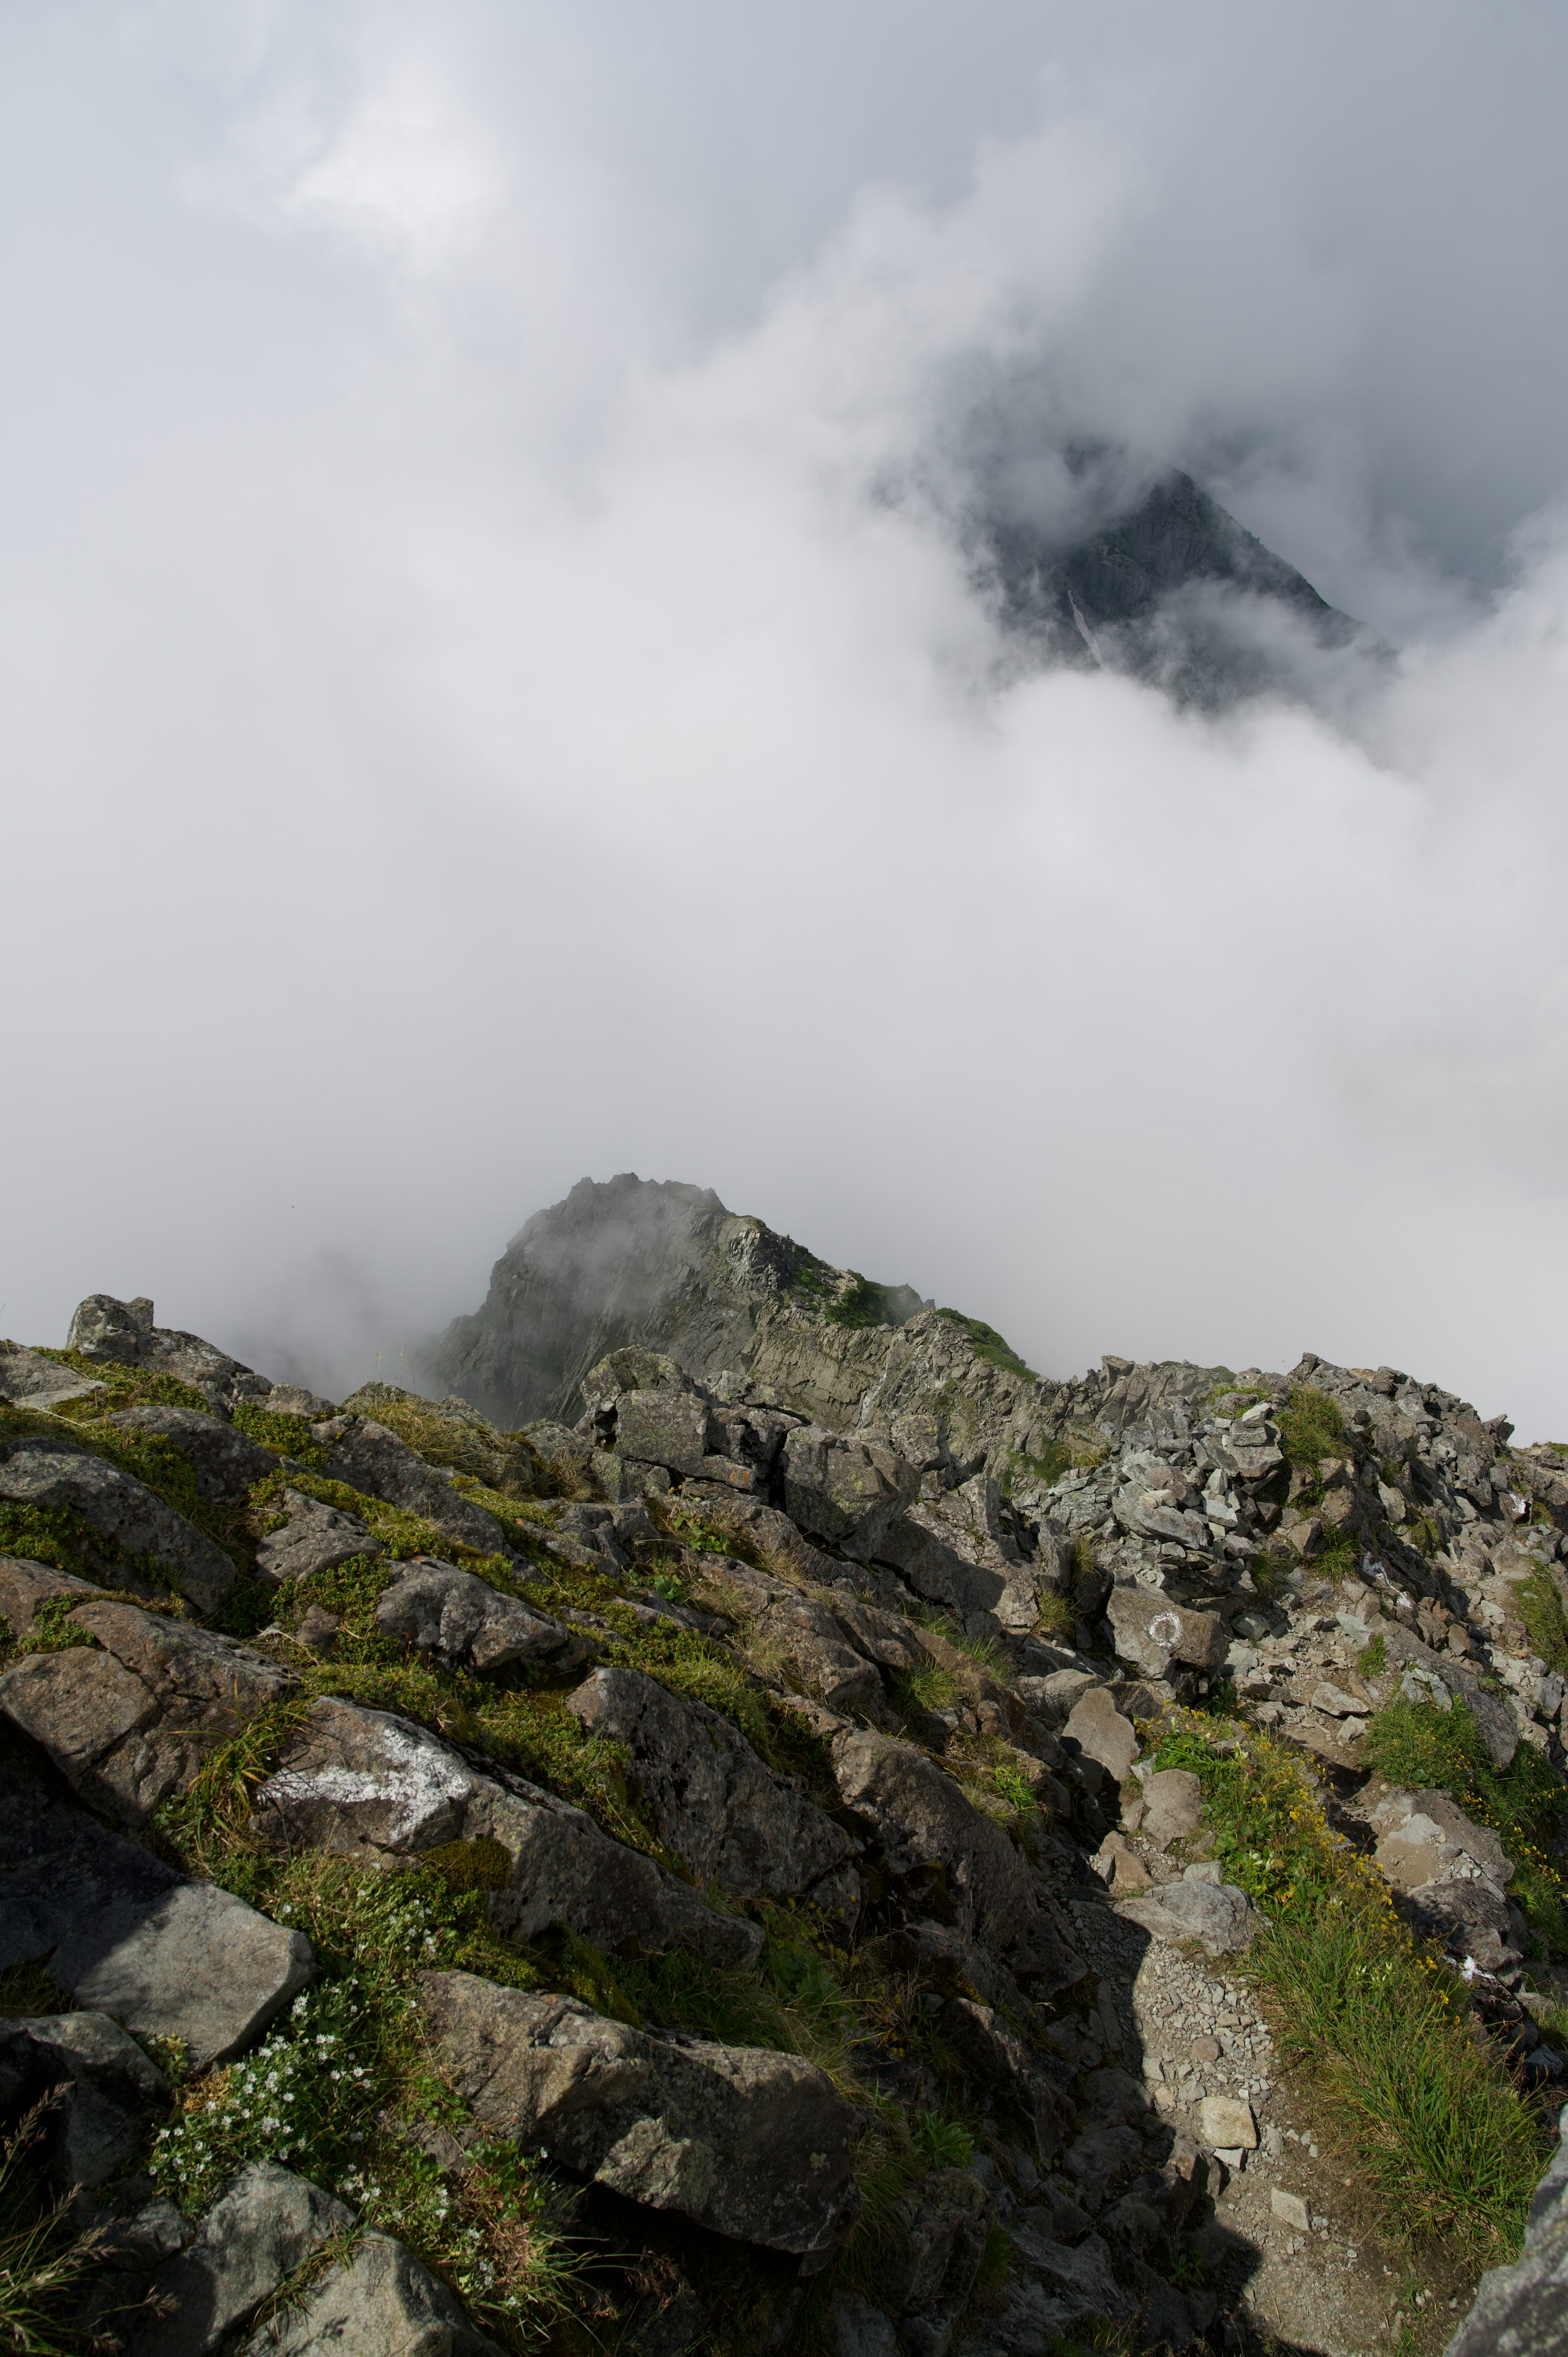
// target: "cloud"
[[496, 692]]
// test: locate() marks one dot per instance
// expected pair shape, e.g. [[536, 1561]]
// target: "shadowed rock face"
[[635, 1261], [1170, 588]]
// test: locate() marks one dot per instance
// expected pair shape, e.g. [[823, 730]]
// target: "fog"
[[492, 689]]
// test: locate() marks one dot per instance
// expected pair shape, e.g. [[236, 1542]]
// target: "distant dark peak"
[[1165, 586]]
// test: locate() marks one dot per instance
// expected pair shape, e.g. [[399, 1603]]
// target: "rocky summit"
[[756, 1822]]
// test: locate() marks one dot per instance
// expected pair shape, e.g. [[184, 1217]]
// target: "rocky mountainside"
[[826, 1841], [1168, 585]]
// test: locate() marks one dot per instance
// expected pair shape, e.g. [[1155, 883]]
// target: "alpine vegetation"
[[753, 1821]]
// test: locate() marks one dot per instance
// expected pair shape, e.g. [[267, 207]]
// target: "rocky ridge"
[[758, 1865]]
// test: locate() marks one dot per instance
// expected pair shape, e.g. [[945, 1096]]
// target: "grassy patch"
[[43, 2265], [289, 1434], [336, 2087], [1541, 1610], [1448, 2147], [991, 1346], [1372, 1659], [1525, 1803], [1311, 1428]]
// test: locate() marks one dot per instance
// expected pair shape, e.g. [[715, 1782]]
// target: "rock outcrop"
[[788, 1769]]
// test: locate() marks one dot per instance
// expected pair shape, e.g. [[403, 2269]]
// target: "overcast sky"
[[489, 694]]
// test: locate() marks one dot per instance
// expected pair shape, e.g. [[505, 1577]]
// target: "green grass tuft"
[[1446, 2143], [1311, 1428]]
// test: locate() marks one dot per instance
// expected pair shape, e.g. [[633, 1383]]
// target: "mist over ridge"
[[502, 682]]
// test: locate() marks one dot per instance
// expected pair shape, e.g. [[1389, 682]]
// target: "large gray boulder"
[[952, 1550], [802, 1639], [753, 2144], [124, 1934], [1153, 1631], [843, 1489], [1217, 1913], [129, 1716], [929, 1839], [724, 1813], [313, 1537], [267, 2223], [1522, 2310], [120, 1509], [122, 1333], [667, 1427], [380, 2302], [224, 1462], [462, 1623], [368, 1457], [110, 2093], [365, 1785]]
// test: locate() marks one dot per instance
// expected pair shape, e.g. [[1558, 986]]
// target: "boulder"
[[843, 1490], [313, 1537], [1151, 1631], [267, 2224], [1051, 1699], [1228, 2124], [462, 1621], [667, 1427], [1217, 1914], [727, 1815], [1173, 1806], [122, 1509], [379, 2302], [363, 1783], [122, 1333], [752, 2144], [930, 1839], [1095, 1729], [112, 2095], [932, 2263], [224, 1462], [952, 1550], [368, 1457], [125, 1935], [1520, 2309], [129, 1716], [998, 2066], [853, 2328], [806, 1641]]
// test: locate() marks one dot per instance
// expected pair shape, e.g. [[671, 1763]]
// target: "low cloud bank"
[[515, 730]]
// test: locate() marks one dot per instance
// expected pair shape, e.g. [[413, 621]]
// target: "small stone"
[[1290, 2209], [1226, 2123], [318, 1632]]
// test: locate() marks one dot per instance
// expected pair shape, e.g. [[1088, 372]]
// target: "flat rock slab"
[[125, 1935], [461, 1622], [314, 1537], [129, 1716], [1173, 1805], [265, 2224], [58, 1473], [1096, 1728], [363, 1783], [715, 1804], [753, 2144], [383, 2303], [29, 1380], [1217, 1914]]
